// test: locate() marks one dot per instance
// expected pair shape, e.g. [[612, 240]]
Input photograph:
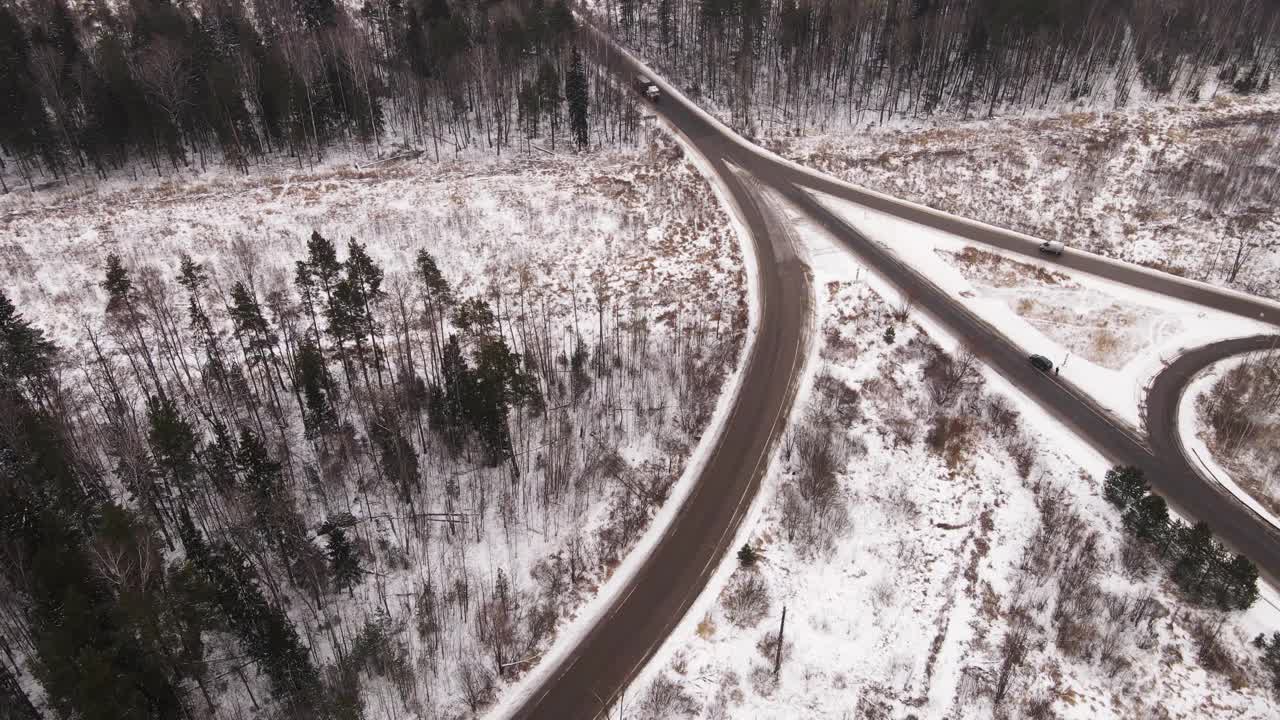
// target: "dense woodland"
[[92, 87], [781, 65]]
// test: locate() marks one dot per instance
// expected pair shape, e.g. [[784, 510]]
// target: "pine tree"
[[437, 298], [122, 307], [890, 335], [91, 654], [320, 416], [117, 284], [475, 318], [1148, 518], [14, 699], [25, 132], [447, 404], [747, 555], [323, 273], [251, 326], [399, 459], [1240, 584], [172, 440], [360, 290], [499, 385], [576, 95], [264, 631], [219, 458], [317, 14], [26, 357], [1197, 557], [435, 286], [550, 98], [343, 560], [193, 277], [1124, 486], [275, 515]]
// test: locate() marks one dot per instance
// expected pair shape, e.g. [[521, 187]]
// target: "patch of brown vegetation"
[[996, 270]]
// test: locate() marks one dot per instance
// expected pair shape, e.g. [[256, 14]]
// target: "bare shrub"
[[767, 646], [882, 594], [901, 504], [1105, 343], [477, 684], [1075, 636], [819, 456], [1038, 708], [763, 681], [1063, 542], [1022, 450], [952, 437], [666, 699], [1135, 557], [793, 512], [680, 663], [1213, 655], [728, 696], [746, 599], [1001, 417], [1011, 657], [846, 404], [812, 512], [902, 309], [948, 377], [902, 428]]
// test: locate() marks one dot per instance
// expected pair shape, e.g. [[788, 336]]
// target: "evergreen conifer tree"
[[578, 100], [1124, 486], [343, 560]]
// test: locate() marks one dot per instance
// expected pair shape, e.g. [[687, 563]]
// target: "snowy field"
[[1230, 421], [619, 271], [1108, 339], [1187, 188], [948, 554]]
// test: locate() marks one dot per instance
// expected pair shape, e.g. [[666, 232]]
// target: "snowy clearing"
[[618, 272], [916, 551], [1108, 339], [1186, 188], [1229, 419]]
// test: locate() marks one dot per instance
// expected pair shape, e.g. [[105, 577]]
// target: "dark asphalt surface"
[[593, 676], [1229, 518], [609, 657]]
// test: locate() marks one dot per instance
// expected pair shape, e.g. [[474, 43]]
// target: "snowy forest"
[[350, 483], [92, 86], [340, 491], [787, 65]]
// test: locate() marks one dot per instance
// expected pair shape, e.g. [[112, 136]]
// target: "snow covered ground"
[[628, 248], [1191, 189], [931, 548], [1230, 421], [1107, 338]]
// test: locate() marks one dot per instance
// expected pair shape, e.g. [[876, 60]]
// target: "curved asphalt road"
[[1161, 418], [608, 658], [592, 677]]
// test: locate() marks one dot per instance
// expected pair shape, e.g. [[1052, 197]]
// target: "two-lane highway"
[[670, 579], [587, 683]]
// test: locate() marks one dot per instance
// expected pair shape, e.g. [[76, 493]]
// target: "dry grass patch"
[[988, 268]]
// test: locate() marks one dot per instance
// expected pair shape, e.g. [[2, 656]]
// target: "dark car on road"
[[1041, 363]]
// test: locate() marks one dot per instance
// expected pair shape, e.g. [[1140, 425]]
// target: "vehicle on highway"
[[648, 88], [1041, 363], [1052, 247]]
